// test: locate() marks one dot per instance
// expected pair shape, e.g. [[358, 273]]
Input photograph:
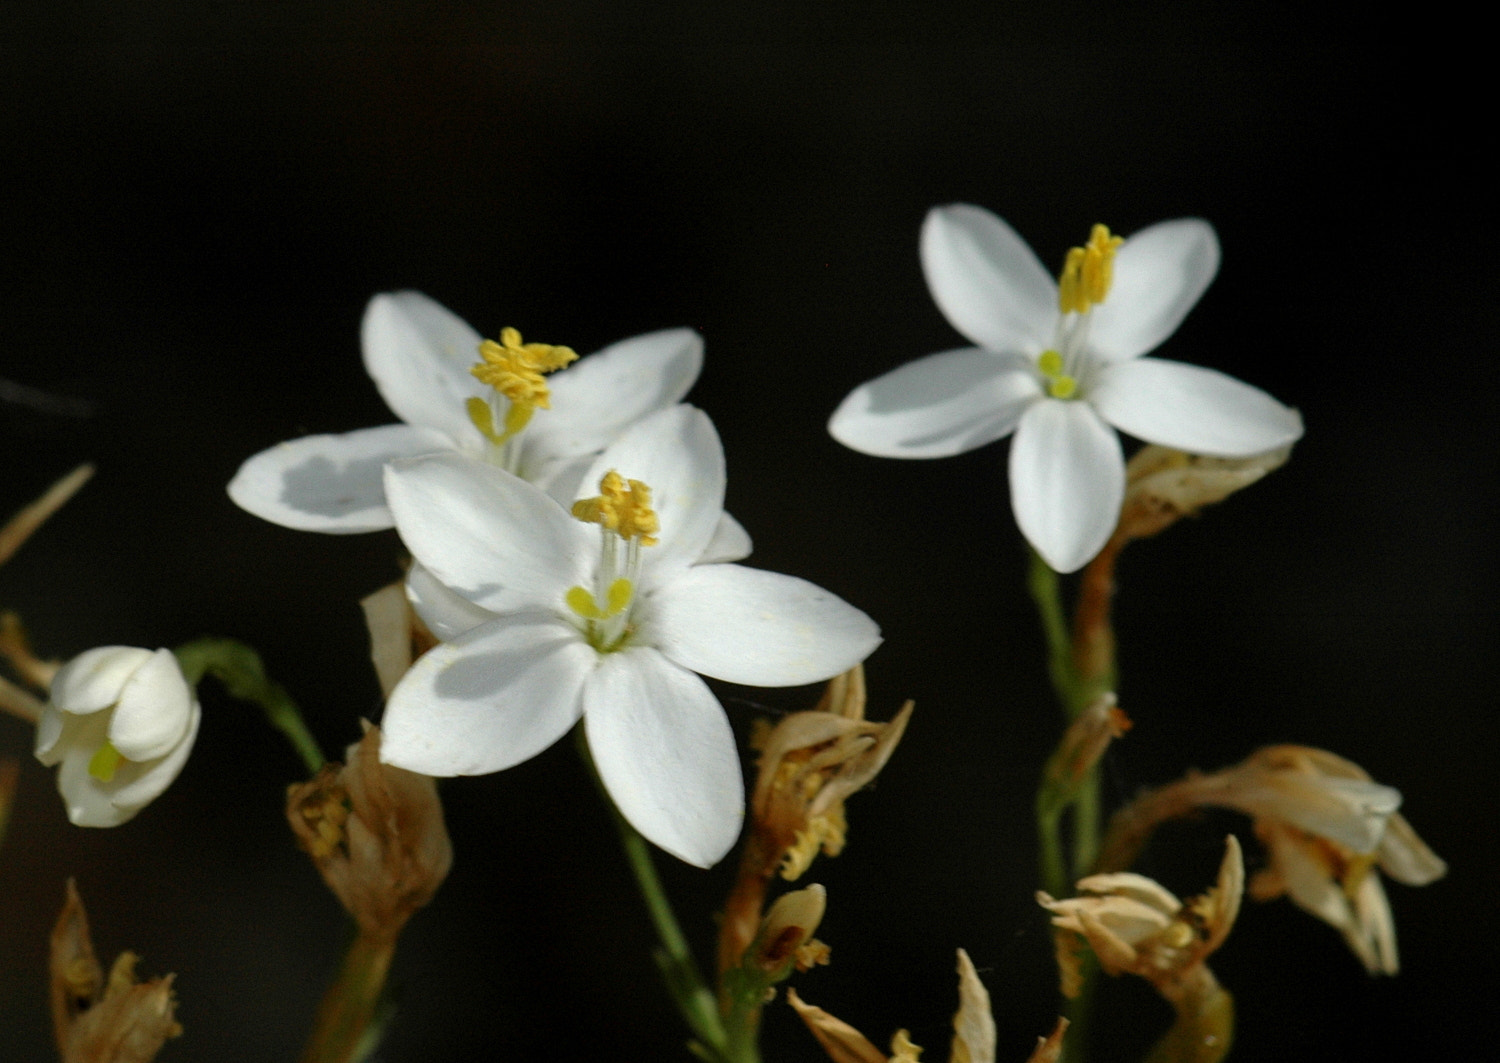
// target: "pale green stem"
[[347, 1029], [239, 668], [674, 958], [1073, 694]]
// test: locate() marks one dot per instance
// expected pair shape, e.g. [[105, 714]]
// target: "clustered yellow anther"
[[105, 761], [623, 507], [325, 812], [515, 369], [1088, 272]]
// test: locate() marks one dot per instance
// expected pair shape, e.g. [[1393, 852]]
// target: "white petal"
[[761, 628], [137, 785], [329, 483], [1190, 408], [987, 281], [1067, 479], [731, 542], [598, 397], [419, 353], [1160, 272], [676, 453], [1406, 858], [447, 615], [937, 406], [49, 728], [489, 536], [663, 748], [491, 698], [152, 713], [86, 801], [93, 680]]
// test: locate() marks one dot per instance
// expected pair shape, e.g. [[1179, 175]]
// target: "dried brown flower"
[[99, 1020], [1136, 926], [376, 834]]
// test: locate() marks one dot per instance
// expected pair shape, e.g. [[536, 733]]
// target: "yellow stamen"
[[1088, 272], [623, 507], [105, 761], [515, 369]]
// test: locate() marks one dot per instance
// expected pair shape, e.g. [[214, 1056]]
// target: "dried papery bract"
[[1327, 827], [1136, 926], [973, 1030], [397, 635], [1163, 485], [974, 1023], [99, 1020], [1082, 745], [376, 834], [810, 763]]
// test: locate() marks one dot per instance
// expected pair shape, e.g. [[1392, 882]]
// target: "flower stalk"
[[679, 970], [239, 668], [346, 1029]]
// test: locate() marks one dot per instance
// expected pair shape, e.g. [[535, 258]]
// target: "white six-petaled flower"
[[1060, 369], [551, 618], [420, 356], [120, 722]]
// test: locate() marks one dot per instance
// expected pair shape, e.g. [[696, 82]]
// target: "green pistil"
[[105, 761], [1059, 384]]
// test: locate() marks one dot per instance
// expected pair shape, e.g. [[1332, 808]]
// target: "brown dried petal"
[[1049, 1048], [1165, 485], [974, 1023], [842, 1042]]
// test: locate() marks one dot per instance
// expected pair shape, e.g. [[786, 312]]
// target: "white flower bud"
[[120, 722]]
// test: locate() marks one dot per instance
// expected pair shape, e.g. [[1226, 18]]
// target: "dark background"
[[197, 199]]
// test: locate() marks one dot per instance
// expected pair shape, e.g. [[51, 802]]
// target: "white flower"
[[554, 619], [1059, 368], [420, 356], [121, 721]]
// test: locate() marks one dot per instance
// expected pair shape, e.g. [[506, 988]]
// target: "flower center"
[[105, 761], [626, 522], [1084, 283], [514, 371]]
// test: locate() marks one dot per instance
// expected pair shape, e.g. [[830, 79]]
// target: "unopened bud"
[[786, 934]]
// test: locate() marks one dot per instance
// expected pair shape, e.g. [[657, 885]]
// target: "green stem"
[[239, 668], [347, 1027], [1073, 695], [1042, 581], [674, 958]]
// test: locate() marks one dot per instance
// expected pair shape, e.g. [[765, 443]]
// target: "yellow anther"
[[105, 761], [1062, 387], [515, 369], [1088, 272], [623, 507]]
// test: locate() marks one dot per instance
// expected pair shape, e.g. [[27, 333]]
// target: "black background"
[[197, 199]]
